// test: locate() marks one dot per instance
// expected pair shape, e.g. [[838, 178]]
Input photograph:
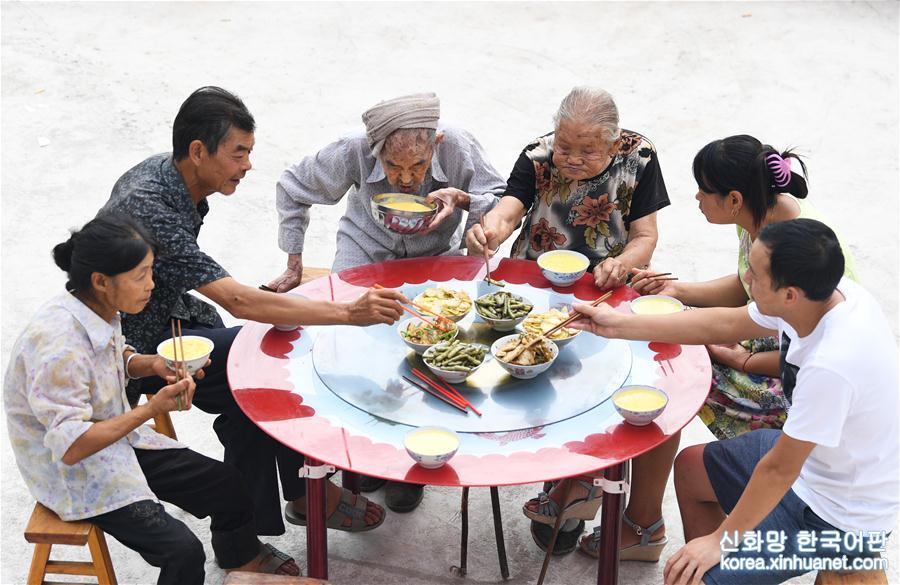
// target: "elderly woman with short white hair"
[[588, 186]]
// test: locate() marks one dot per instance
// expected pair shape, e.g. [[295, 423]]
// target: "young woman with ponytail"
[[744, 182], [85, 453]]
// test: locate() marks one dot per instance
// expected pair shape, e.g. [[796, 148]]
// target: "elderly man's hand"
[[291, 277], [377, 306], [448, 199], [610, 273]]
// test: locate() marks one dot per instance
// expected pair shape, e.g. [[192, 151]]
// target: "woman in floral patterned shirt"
[[588, 186], [85, 453]]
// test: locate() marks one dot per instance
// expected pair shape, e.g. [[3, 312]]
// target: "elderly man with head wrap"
[[406, 149]]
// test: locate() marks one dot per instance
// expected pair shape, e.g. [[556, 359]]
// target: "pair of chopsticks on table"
[[438, 323], [178, 345], [442, 391]]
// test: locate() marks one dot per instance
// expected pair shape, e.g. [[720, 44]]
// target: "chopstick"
[[546, 335], [179, 365], [445, 393], [420, 307], [435, 324], [454, 393], [487, 264], [431, 392], [658, 276]]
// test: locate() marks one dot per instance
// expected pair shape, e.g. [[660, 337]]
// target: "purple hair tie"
[[781, 169]]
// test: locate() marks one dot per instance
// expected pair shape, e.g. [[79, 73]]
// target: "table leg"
[[498, 532], [316, 537], [464, 539], [350, 481], [611, 529]]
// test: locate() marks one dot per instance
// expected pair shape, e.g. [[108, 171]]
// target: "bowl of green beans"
[[503, 310], [454, 361]]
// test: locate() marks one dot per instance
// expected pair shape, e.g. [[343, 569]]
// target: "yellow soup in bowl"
[[432, 442], [640, 400], [193, 349], [656, 305], [406, 206], [563, 263]]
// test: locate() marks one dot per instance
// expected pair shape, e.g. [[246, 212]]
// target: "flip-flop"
[[345, 509], [275, 560]]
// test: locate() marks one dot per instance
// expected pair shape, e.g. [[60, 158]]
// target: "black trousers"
[[259, 457], [201, 486]]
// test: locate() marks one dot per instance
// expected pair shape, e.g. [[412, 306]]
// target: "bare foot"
[[333, 493]]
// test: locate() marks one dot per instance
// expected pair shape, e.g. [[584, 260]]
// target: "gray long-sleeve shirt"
[[348, 167]]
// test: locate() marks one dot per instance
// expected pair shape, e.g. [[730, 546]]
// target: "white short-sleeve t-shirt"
[[845, 400]]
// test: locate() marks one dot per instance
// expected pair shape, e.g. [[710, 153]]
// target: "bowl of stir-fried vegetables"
[[524, 355], [420, 335], [453, 304]]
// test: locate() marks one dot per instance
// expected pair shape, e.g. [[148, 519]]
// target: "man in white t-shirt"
[[833, 470]]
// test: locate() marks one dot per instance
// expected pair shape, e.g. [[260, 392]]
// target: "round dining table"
[[337, 394]]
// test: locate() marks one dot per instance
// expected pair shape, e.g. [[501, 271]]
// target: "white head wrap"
[[418, 110]]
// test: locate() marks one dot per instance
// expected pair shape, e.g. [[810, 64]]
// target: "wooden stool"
[[46, 529], [163, 423], [245, 578], [854, 578], [311, 273]]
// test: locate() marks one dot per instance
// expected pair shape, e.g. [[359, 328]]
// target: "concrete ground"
[[91, 89]]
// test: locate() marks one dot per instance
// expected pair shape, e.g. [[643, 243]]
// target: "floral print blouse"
[[67, 371], [590, 216]]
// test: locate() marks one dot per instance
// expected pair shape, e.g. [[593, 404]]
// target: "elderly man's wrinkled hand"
[[610, 273], [377, 306], [448, 199], [176, 396], [289, 279], [479, 238]]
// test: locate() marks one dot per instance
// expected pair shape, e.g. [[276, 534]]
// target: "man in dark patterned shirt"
[[212, 140]]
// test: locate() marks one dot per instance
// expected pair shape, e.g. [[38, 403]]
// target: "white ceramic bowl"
[[502, 324], [431, 458], [522, 372], [639, 418], [286, 327], [561, 278], [451, 376], [419, 348], [196, 362], [656, 305], [560, 343]]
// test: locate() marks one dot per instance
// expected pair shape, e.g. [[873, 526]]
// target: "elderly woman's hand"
[[448, 200], [610, 273], [477, 238]]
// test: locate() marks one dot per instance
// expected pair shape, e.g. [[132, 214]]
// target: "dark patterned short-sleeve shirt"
[[154, 193], [591, 216]]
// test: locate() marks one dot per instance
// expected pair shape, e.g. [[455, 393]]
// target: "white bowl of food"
[[419, 335], [503, 310], [454, 361], [431, 447], [524, 363], [656, 305], [541, 323], [563, 267], [452, 304], [196, 352], [403, 213], [640, 404]]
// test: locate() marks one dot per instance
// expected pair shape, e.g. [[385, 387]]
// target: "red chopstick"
[[443, 392], [434, 393], [447, 389]]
